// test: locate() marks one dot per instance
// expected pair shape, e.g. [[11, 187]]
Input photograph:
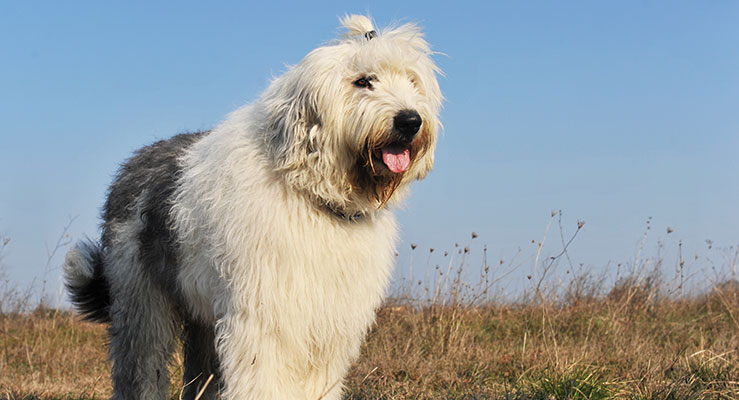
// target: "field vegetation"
[[646, 331]]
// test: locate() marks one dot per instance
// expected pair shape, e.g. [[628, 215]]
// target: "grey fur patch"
[[148, 180], [143, 333]]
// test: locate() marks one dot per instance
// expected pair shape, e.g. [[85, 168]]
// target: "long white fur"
[[292, 289]]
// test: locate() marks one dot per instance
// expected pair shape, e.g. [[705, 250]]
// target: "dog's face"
[[361, 113], [391, 116]]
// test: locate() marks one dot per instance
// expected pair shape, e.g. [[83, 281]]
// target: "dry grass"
[[605, 348], [684, 349], [52, 355], [640, 336]]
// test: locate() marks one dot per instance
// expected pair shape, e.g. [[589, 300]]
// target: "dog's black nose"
[[407, 123]]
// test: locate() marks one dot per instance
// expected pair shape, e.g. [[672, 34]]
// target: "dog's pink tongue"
[[396, 158]]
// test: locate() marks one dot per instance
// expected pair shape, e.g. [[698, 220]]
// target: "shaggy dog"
[[267, 243]]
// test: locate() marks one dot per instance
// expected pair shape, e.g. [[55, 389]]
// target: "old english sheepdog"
[[265, 244]]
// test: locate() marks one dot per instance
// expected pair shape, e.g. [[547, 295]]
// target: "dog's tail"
[[84, 279]]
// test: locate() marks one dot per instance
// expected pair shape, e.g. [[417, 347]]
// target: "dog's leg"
[[142, 337], [201, 362], [253, 365]]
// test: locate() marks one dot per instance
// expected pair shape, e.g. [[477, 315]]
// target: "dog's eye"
[[363, 83]]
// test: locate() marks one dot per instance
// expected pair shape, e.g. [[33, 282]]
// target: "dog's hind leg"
[[142, 338], [144, 323], [201, 362]]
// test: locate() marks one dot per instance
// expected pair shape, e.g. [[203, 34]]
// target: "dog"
[[266, 244]]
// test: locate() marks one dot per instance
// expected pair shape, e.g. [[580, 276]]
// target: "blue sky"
[[609, 111]]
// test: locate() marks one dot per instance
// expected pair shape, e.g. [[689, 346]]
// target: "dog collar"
[[342, 215]]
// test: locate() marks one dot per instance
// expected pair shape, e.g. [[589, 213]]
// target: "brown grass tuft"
[[51, 354]]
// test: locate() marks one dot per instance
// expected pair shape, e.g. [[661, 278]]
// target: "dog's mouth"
[[396, 157]]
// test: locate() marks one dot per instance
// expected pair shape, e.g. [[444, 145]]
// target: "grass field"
[[639, 337], [600, 349]]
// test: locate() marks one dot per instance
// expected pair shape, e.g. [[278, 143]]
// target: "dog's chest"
[[341, 268], [325, 288], [314, 275]]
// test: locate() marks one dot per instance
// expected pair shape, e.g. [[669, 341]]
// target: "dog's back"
[[143, 187]]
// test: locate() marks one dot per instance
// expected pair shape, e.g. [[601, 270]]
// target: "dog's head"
[[356, 120]]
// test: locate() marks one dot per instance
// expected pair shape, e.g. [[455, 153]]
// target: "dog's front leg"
[[254, 364]]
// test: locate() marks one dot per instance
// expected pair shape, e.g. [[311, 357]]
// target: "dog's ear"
[[293, 102], [300, 107], [291, 117]]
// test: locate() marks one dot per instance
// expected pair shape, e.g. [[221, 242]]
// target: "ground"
[[625, 344]]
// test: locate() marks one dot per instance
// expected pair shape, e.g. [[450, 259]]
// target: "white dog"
[[266, 243]]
